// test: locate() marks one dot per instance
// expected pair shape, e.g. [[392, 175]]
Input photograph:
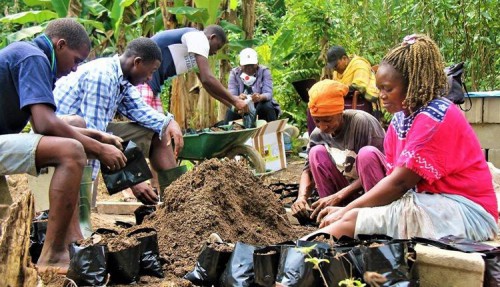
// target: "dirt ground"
[[221, 197], [216, 196]]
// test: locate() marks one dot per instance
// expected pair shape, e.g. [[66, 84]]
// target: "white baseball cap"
[[248, 56]]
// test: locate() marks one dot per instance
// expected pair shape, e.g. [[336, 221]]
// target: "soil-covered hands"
[[331, 200], [145, 193], [174, 132], [329, 215], [300, 208], [111, 157]]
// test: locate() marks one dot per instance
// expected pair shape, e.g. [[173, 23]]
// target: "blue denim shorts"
[[17, 153]]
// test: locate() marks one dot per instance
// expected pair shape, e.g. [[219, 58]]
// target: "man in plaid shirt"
[[102, 87]]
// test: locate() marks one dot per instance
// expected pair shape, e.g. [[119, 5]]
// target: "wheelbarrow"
[[220, 144]]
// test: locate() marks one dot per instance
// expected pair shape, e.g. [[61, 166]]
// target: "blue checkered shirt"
[[97, 90]]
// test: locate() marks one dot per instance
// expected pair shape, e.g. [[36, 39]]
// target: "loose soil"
[[220, 196]]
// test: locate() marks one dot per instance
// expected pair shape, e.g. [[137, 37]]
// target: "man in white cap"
[[253, 79]]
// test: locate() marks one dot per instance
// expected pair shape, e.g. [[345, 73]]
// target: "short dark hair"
[[68, 29], [334, 54], [217, 31], [144, 48]]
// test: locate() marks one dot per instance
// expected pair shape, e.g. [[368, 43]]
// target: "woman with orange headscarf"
[[333, 158]]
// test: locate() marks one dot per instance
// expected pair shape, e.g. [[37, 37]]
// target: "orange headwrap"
[[326, 98]]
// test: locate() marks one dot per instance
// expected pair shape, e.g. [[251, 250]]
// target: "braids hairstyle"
[[218, 31], [71, 31], [419, 61], [144, 48]]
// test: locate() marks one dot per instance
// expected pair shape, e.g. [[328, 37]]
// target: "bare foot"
[[61, 270], [53, 260]]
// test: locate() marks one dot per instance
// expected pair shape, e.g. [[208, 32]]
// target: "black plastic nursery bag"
[[150, 263], [210, 264], [265, 265], [389, 260], [143, 211], [87, 266], [336, 269], [135, 171], [239, 269], [124, 265], [293, 271], [37, 235], [492, 269]]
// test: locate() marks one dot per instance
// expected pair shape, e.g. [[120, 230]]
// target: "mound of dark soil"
[[220, 196]]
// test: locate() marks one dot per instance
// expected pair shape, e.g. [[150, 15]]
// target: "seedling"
[[348, 282], [314, 260], [351, 282]]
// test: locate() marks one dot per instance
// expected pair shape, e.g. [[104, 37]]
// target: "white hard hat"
[[248, 56]]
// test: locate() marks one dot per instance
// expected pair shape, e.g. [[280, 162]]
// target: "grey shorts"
[[18, 153], [140, 135]]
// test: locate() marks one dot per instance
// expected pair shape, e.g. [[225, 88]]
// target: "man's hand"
[[145, 193], [257, 98], [173, 131], [242, 97], [331, 200], [330, 215], [111, 139], [241, 106], [300, 208], [111, 157]]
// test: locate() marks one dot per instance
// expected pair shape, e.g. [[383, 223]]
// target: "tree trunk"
[[224, 64], [16, 268], [169, 20], [75, 8], [248, 18]]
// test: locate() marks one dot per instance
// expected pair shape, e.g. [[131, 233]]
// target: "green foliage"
[[198, 15], [29, 16], [464, 30], [314, 260], [291, 36], [61, 7]]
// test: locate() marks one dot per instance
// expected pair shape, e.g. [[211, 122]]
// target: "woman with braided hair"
[[437, 181]]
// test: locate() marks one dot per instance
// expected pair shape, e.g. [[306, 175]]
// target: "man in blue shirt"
[[28, 71], [102, 87], [186, 49]]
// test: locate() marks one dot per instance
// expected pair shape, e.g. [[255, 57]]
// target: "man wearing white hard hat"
[[253, 79]]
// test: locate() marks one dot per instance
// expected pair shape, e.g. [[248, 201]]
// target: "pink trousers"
[[370, 165]]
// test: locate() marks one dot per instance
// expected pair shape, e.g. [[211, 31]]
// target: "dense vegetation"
[[291, 36]]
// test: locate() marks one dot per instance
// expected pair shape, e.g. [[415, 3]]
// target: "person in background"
[[355, 72], [28, 71], [334, 157], [100, 88], [438, 182], [255, 80], [183, 50]]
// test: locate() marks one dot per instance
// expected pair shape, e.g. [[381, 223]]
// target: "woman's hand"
[[322, 203], [329, 215]]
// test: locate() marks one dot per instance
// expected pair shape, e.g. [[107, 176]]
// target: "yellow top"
[[360, 75]]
